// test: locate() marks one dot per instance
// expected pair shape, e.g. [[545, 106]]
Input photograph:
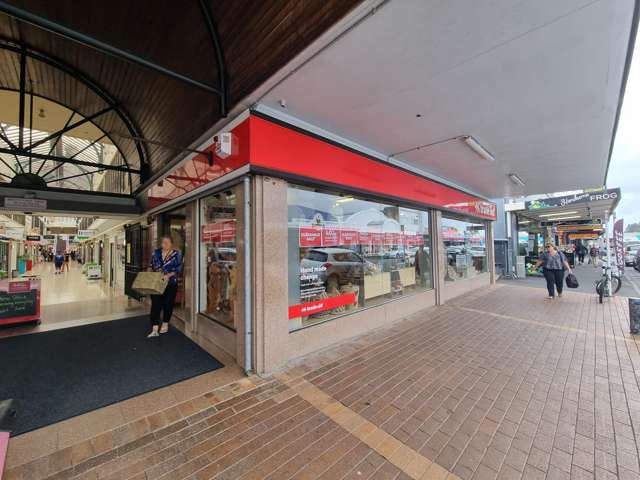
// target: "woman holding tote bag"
[[167, 260]]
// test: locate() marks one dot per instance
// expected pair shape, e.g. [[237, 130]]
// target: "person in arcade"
[[58, 261], [167, 260]]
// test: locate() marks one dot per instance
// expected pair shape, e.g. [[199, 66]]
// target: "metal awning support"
[[73, 161], [125, 118], [206, 153], [79, 37], [70, 127]]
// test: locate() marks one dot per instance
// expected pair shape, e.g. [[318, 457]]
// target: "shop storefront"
[[292, 243]]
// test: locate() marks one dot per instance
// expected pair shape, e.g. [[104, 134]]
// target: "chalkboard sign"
[[18, 304], [634, 315]]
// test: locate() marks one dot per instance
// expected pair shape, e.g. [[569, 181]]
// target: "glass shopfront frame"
[[348, 253], [463, 242], [219, 236]]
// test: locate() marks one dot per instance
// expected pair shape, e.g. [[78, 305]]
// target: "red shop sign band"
[[317, 306]]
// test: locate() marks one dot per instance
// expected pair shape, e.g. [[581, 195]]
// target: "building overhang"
[[500, 101]]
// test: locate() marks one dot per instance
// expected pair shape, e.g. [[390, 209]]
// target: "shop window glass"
[[173, 225], [347, 253], [219, 268], [465, 246]]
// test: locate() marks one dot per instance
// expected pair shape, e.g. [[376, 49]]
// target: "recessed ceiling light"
[[558, 214]]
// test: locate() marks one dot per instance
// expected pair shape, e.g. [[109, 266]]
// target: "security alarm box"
[[225, 145]]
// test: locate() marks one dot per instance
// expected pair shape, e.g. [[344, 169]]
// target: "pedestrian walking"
[[581, 251], [554, 263], [593, 256], [58, 261], [167, 260]]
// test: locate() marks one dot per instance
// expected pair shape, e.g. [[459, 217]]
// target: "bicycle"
[[602, 285]]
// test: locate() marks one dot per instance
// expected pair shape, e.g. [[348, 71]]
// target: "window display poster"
[[310, 236], [348, 237], [330, 237], [311, 283]]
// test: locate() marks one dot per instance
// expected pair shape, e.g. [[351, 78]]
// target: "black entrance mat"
[[63, 373]]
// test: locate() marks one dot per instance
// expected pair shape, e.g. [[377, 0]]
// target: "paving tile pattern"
[[500, 384]]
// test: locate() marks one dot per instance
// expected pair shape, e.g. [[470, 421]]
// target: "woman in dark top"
[[167, 260], [554, 264]]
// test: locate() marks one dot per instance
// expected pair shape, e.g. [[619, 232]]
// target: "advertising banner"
[[618, 243], [317, 306], [348, 237], [330, 237], [310, 236]]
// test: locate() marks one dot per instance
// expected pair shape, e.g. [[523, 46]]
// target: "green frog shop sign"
[[612, 194]]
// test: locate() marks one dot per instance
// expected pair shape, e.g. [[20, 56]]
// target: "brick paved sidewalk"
[[498, 384]]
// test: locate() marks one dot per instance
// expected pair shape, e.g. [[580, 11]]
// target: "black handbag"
[[572, 281]]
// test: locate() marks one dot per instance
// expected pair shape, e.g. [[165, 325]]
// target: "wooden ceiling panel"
[[257, 37]]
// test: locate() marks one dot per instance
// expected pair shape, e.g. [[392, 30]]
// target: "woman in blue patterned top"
[[167, 260]]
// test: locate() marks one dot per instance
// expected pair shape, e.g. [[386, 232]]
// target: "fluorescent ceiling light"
[[516, 179], [524, 223], [565, 218], [345, 199], [474, 145], [558, 214]]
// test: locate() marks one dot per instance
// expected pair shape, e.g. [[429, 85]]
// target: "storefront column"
[[491, 258], [270, 303], [439, 255], [190, 266]]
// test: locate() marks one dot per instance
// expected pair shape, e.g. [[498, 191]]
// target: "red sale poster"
[[377, 238], [330, 237], [310, 236], [389, 238], [348, 236], [317, 306], [364, 238]]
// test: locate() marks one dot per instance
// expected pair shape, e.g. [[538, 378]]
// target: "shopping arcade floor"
[[500, 383], [70, 299]]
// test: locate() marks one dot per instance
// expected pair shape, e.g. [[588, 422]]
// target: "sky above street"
[[624, 171]]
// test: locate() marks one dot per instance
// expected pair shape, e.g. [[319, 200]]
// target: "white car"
[[630, 252]]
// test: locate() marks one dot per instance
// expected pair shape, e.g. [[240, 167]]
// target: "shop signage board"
[[25, 204], [33, 238], [278, 149], [19, 301], [84, 234], [271, 148], [612, 194], [618, 244], [583, 236]]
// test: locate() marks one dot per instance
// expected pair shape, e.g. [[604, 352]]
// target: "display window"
[[347, 253], [465, 246], [218, 262]]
